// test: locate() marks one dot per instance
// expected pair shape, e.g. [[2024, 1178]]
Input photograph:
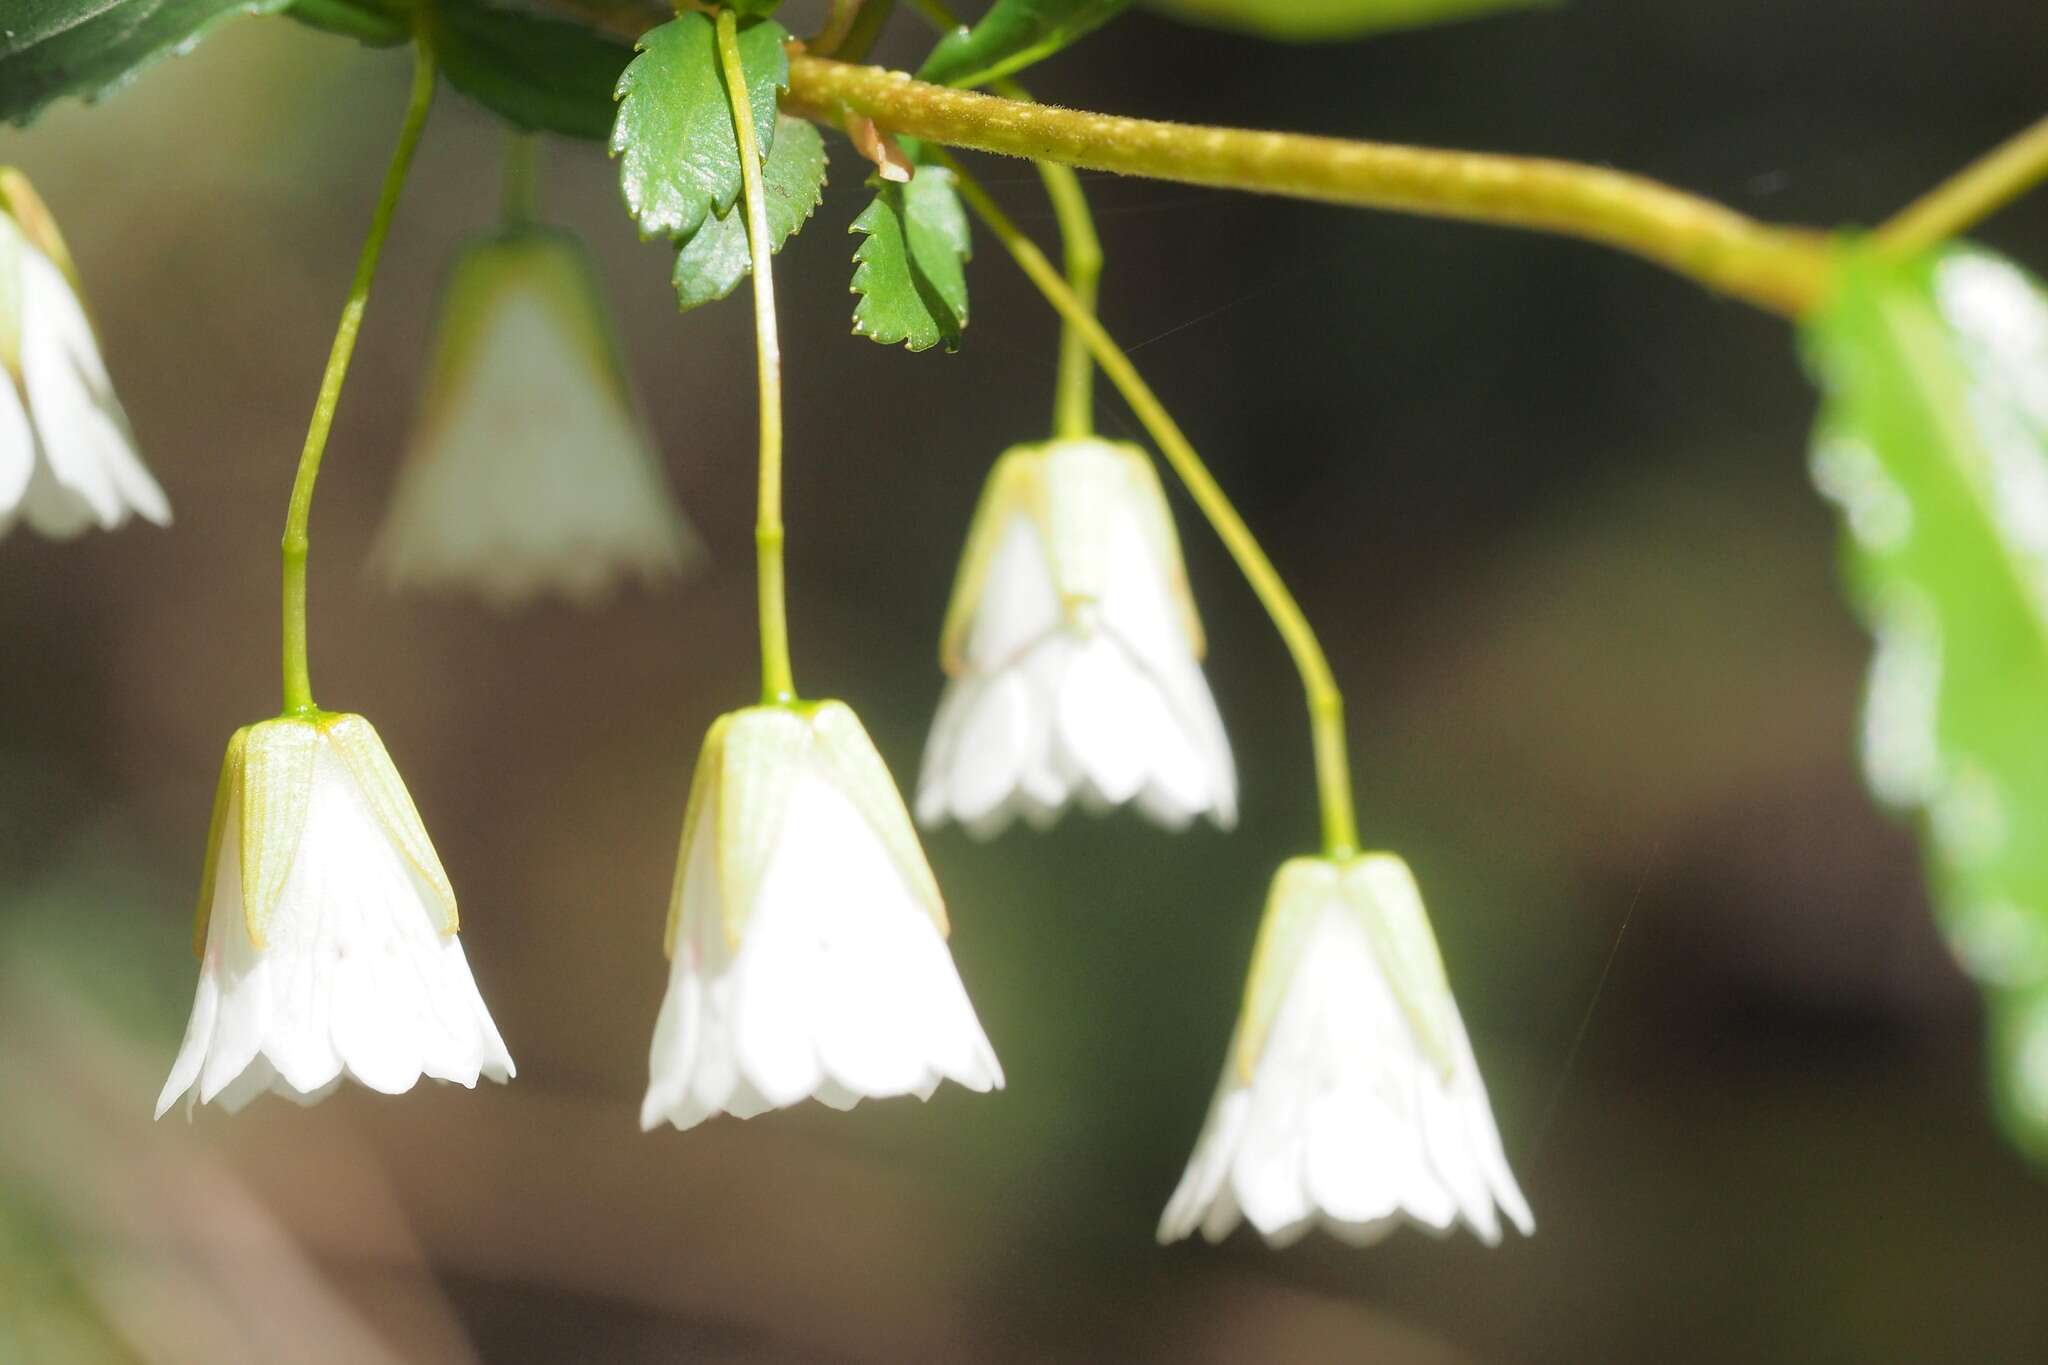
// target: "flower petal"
[[17, 449]]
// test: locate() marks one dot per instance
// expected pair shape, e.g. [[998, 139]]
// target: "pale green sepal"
[[216, 828], [764, 754], [1078, 530], [512, 264], [10, 298], [855, 765], [1068, 488], [355, 739], [1302, 888], [704, 784], [1084, 487], [277, 788], [25, 221], [1013, 487], [19, 201], [1159, 529], [1381, 889]]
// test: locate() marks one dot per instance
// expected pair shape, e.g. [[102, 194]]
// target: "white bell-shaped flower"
[[806, 935], [326, 930], [1350, 1097], [67, 459], [1073, 653], [530, 469]]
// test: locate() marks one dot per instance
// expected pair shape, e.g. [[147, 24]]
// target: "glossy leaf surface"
[[87, 48], [1332, 20], [715, 259], [678, 158], [1933, 441], [1013, 35], [910, 271]]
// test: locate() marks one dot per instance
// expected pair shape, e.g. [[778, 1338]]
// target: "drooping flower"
[[806, 935], [1074, 651], [326, 930], [1350, 1097], [530, 468], [67, 458]]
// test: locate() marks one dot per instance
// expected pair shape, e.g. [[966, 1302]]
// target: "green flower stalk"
[[806, 937]]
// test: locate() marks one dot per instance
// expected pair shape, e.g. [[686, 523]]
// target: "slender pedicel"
[[298, 685], [777, 684], [1325, 702]]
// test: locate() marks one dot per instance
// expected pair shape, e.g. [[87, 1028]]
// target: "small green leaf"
[[910, 269], [1013, 35], [379, 23], [678, 157], [1331, 20], [1933, 441], [88, 48], [542, 74], [715, 259]]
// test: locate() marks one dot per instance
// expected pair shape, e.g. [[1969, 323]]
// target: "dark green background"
[[1548, 505]]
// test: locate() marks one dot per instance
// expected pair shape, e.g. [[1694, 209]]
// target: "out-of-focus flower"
[[530, 469], [67, 458], [1350, 1097], [807, 938], [1073, 652], [326, 930]]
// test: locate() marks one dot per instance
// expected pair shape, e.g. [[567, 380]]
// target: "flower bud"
[[530, 469], [67, 458], [326, 930], [806, 933], [1073, 651], [1350, 1096]]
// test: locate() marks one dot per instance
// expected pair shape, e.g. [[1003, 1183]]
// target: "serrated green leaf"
[[1933, 440], [910, 271], [87, 48], [1332, 20], [542, 74], [715, 259], [678, 158], [378, 23], [1013, 35]]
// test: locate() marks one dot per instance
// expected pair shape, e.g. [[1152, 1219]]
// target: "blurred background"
[[1547, 505]]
